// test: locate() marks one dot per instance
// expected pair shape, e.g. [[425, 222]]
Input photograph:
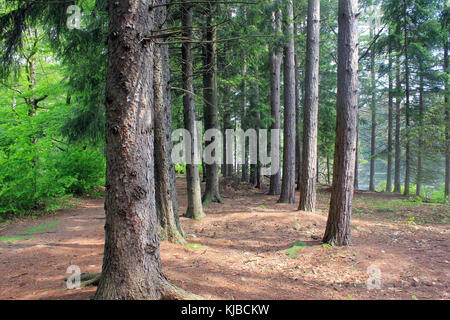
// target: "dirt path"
[[243, 251]]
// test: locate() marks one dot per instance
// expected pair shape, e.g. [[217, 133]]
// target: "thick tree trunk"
[[288, 179], [211, 110], [194, 207], [165, 187], [338, 225], [407, 102], [373, 120], [390, 122], [131, 263], [311, 111], [275, 73], [398, 150]]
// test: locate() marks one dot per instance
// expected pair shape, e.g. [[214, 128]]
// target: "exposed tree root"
[[209, 198], [173, 236], [171, 292], [90, 279], [197, 216], [167, 289]]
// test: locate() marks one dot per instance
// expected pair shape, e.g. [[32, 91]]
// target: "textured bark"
[[407, 102], [227, 168], [311, 111], [298, 125], [373, 109], [288, 179], [195, 207], [355, 184], [131, 263], [420, 142], [338, 225], [211, 110], [390, 122], [259, 177], [245, 177], [165, 187], [398, 151], [447, 121], [254, 116], [275, 73]]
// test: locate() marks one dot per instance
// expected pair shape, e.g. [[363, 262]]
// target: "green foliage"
[[194, 246], [42, 227], [180, 168], [38, 166], [294, 250]]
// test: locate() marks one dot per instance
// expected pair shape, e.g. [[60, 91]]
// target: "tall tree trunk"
[[447, 117], [194, 207], [374, 118], [275, 73], [227, 168], [407, 103], [211, 111], [338, 225], [288, 181], [259, 177], [390, 121], [420, 142], [245, 177], [131, 262], [298, 125], [311, 111], [165, 184], [398, 150], [356, 182], [328, 170]]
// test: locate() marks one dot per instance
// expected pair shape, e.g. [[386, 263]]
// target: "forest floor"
[[241, 250]]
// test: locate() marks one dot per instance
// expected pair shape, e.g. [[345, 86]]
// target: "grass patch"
[[42, 227], [12, 238], [194, 246], [294, 251]]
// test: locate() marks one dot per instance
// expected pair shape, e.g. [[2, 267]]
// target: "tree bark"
[[259, 177], [311, 111], [373, 110], [131, 263], [390, 121], [165, 186], [275, 73], [447, 118], [288, 179], [407, 102], [397, 164], [194, 208], [420, 142], [356, 182], [298, 125], [245, 177], [338, 225], [211, 111]]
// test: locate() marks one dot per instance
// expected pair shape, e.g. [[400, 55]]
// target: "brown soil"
[[243, 253]]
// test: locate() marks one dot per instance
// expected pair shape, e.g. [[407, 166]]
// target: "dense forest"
[[169, 111]]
